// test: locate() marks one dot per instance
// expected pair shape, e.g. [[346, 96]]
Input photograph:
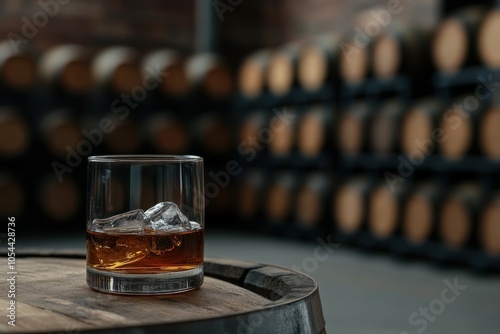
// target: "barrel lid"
[[236, 296]]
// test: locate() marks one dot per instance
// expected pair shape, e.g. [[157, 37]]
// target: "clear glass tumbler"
[[145, 223]]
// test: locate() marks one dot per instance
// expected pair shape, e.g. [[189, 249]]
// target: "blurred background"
[[373, 124]]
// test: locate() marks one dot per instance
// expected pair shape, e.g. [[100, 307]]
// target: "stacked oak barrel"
[[386, 140], [60, 105]]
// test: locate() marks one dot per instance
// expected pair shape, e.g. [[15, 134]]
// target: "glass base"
[[144, 284]]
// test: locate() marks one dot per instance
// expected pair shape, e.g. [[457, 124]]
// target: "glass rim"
[[145, 158]]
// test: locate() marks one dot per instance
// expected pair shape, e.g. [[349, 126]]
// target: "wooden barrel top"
[[236, 297]]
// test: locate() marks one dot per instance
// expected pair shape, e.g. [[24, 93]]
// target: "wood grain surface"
[[237, 296]]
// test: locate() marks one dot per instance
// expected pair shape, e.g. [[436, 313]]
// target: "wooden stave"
[[69, 189], [287, 290], [212, 134], [470, 18], [347, 46], [378, 227], [28, 56], [414, 50], [324, 115], [106, 64], [157, 125], [433, 194], [55, 62], [121, 134], [13, 194], [250, 127], [279, 147], [198, 68], [486, 146], [391, 111], [127, 129], [470, 197], [290, 52], [14, 147], [161, 61], [361, 112], [50, 127], [319, 186], [363, 186], [256, 179], [488, 60], [485, 242], [221, 205], [472, 119], [433, 111], [287, 183], [328, 46], [260, 60]]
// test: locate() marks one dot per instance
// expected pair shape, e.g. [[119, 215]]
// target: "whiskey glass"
[[145, 223]]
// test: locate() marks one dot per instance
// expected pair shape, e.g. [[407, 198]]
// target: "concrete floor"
[[366, 293]]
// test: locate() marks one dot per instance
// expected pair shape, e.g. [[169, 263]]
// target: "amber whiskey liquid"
[[146, 253]]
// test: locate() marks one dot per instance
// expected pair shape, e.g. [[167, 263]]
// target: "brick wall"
[[247, 24], [95, 23], [257, 24]]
